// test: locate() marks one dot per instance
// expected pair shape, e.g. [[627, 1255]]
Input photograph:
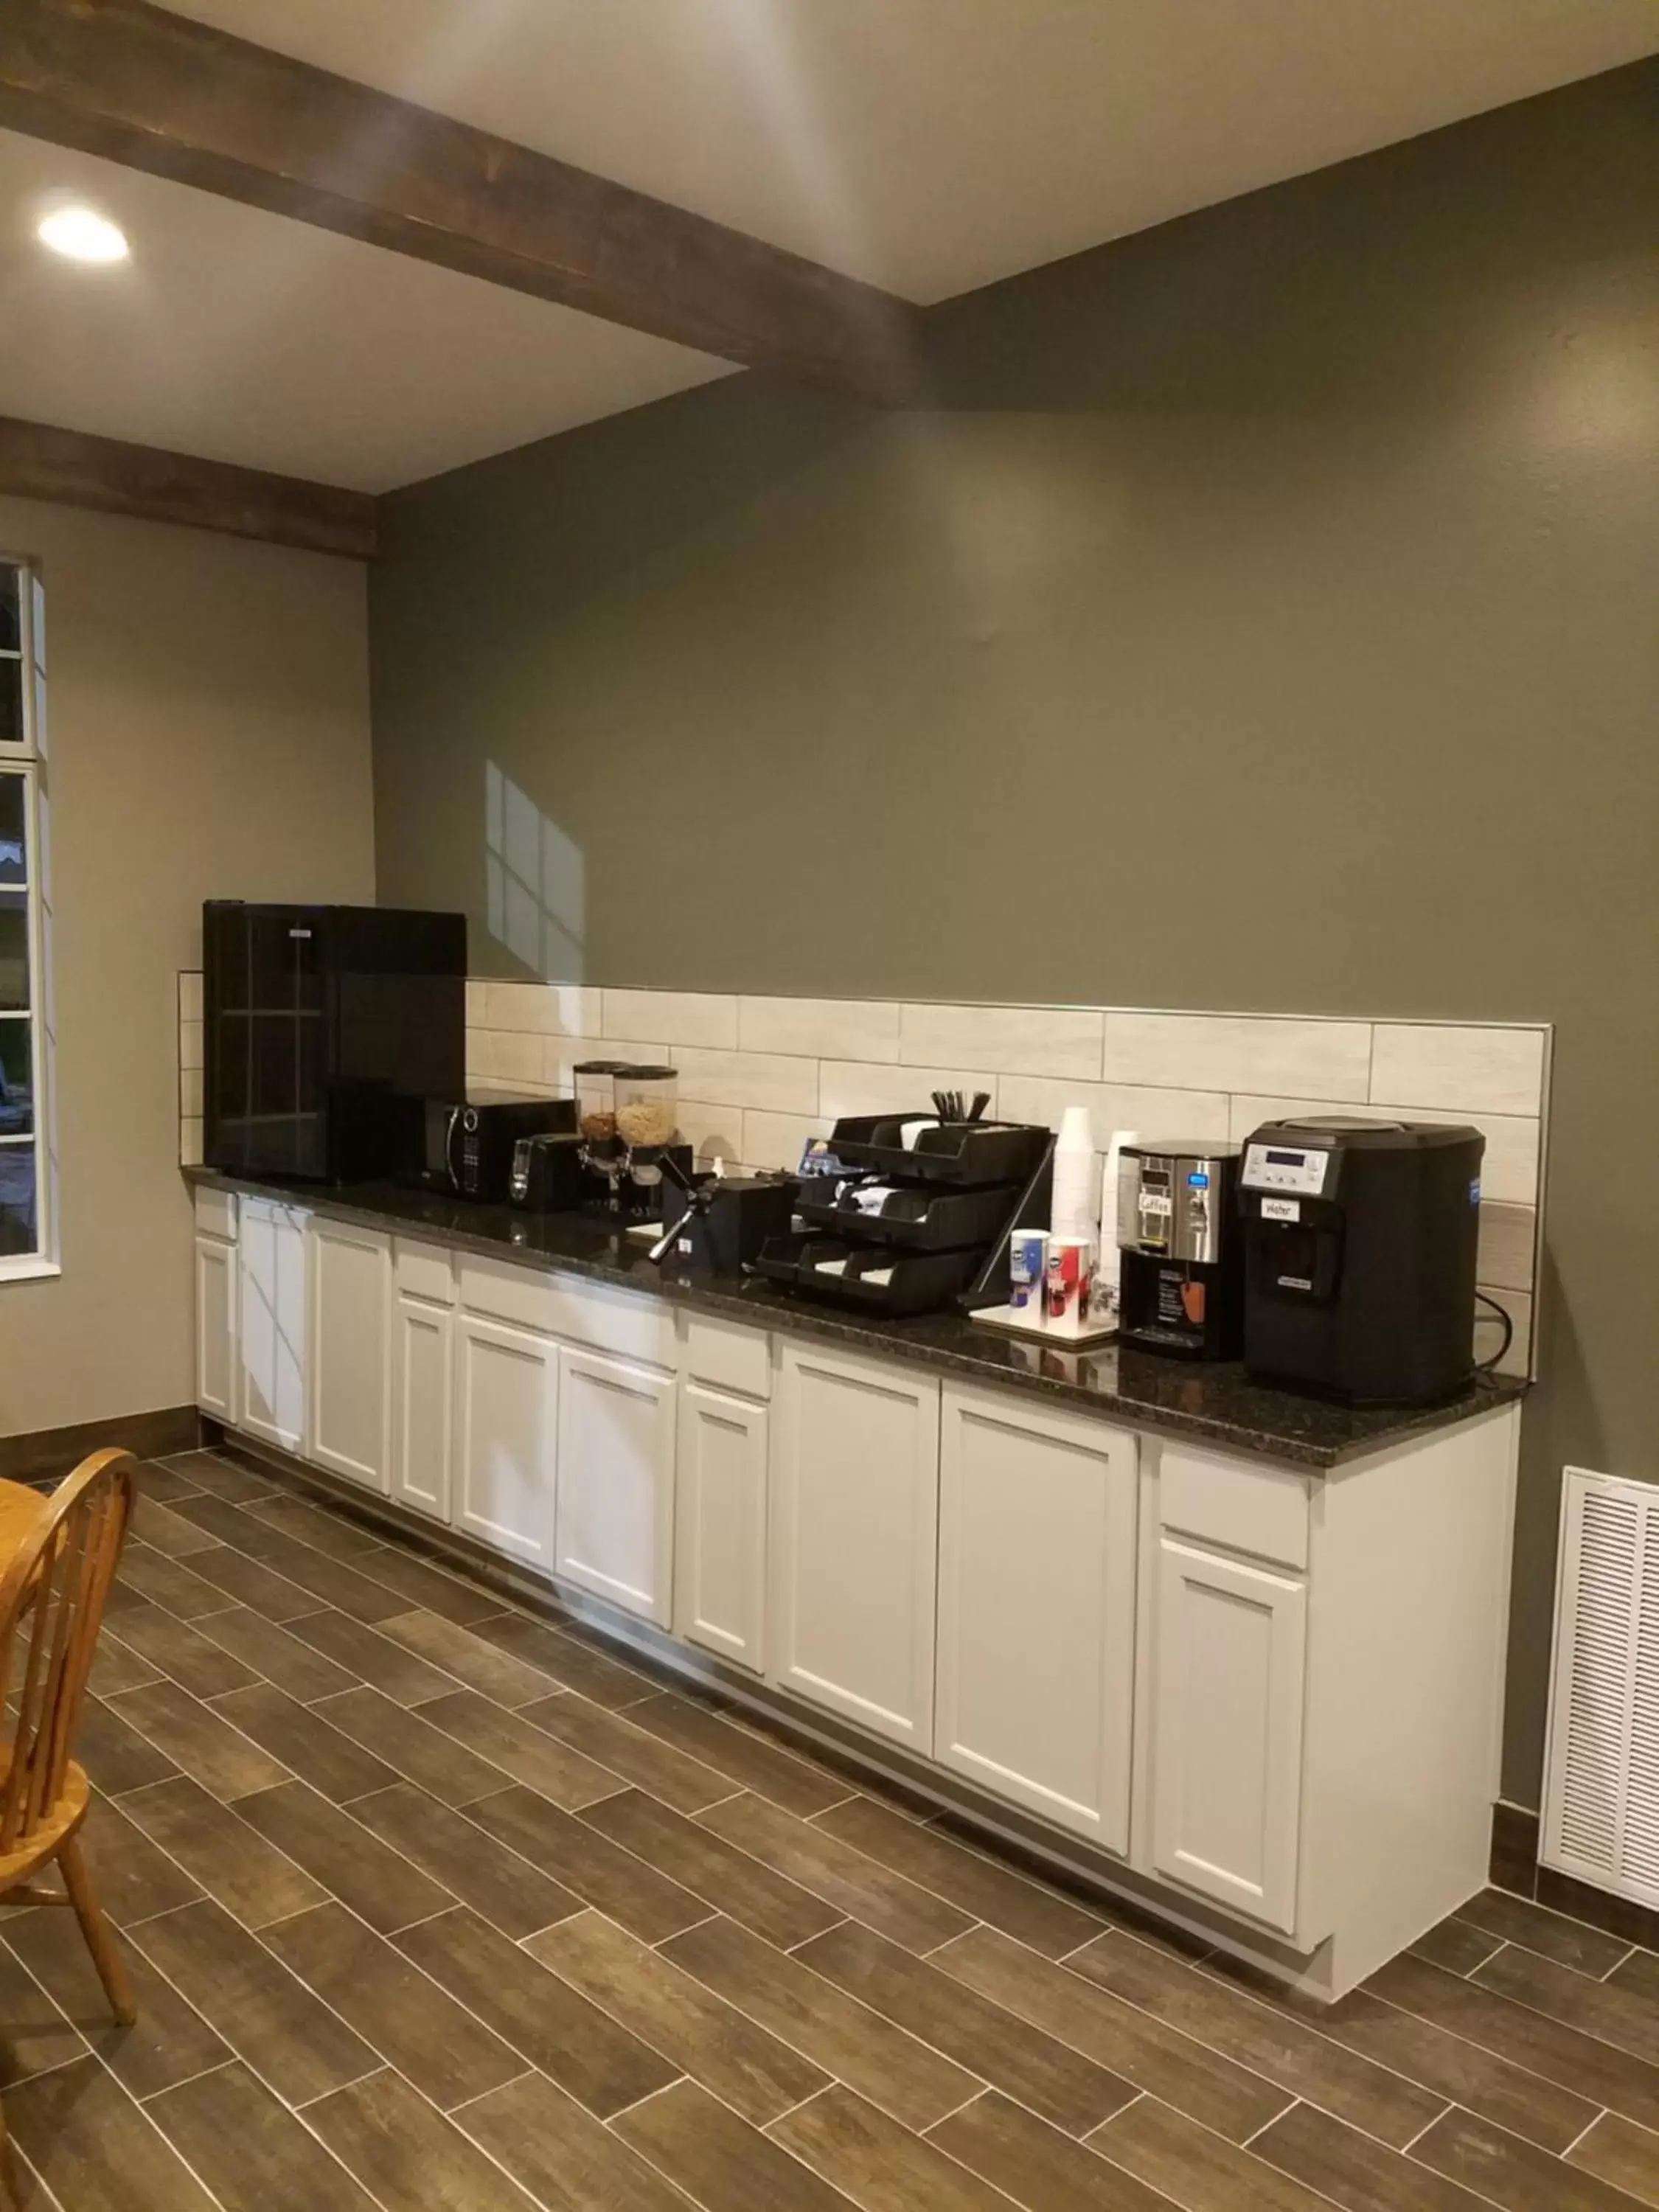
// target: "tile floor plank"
[[367, 1655], [1052, 2079], [225, 1762], [1515, 2174], [976, 1885], [753, 1762], [862, 1887], [678, 2016], [131, 1879], [277, 1654], [376, 1882], [184, 1591], [239, 1579], [728, 1880], [286, 2034], [881, 2166], [1219, 2091], [167, 2043], [253, 1881], [719, 2160], [36, 2036], [166, 1481], [591, 2057], [611, 1879], [567, 2160], [222, 1476], [1456, 1944], [604, 1681], [407, 2156], [308, 1523], [116, 1757], [431, 1746], [1550, 1934], [612, 1742], [1615, 2013], [499, 1886], [444, 2050], [1619, 2152], [519, 1750], [115, 1667], [1035, 2163], [300, 1738], [916, 2083], [419, 1583], [454, 1657], [1354, 2170], [1301, 2061], [1580, 2062], [250, 2151], [1195, 2169], [95, 2148], [195, 1662], [165, 1531]]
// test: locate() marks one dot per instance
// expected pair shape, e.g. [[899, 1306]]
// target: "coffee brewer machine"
[[1359, 1257], [1180, 1280]]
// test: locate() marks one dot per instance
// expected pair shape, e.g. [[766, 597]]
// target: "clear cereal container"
[[596, 1089], [647, 1106]]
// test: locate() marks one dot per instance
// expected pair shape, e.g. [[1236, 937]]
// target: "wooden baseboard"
[[45, 1454]]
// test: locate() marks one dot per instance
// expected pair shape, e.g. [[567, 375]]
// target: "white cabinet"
[[216, 1358], [1227, 1728], [719, 1569], [423, 1362], [505, 1436], [854, 1540], [271, 1298], [350, 1363], [1036, 1609], [615, 1518]]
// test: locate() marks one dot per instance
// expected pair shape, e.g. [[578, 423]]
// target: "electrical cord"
[[1485, 1366]]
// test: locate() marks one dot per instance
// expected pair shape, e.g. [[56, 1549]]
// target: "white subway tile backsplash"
[[190, 1093], [189, 1140], [713, 1133], [564, 1054], [1462, 1070], [1260, 1053], [783, 1086], [190, 994], [1509, 1169], [1151, 1113], [1517, 1358], [848, 1086], [190, 1044], [820, 1028], [684, 1017], [559, 1009], [478, 1002], [516, 1057], [1063, 1041], [1508, 1238], [777, 1140]]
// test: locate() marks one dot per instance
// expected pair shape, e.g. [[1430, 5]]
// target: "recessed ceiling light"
[[82, 234]]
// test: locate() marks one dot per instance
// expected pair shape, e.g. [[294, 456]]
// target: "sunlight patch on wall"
[[535, 883]]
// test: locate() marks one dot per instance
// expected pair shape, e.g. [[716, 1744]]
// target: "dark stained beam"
[[38, 462], [179, 98]]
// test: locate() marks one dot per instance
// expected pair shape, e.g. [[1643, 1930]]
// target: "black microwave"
[[466, 1144]]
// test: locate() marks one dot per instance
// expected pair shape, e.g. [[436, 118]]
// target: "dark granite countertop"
[[1213, 1404]]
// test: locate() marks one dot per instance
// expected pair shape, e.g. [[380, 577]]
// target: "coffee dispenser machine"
[[1359, 1257], [1179, 1276]]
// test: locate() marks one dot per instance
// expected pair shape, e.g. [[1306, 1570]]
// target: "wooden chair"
[[51, 1604]]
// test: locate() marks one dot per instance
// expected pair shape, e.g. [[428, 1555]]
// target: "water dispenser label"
[[1281, 1209]]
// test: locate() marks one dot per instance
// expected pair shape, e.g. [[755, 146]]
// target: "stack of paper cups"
[[1107, 1276], [1075, 1191]]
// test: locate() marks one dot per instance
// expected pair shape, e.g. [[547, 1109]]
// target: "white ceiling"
[[929, 145]]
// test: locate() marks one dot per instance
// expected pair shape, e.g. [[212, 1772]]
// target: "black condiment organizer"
[[913, 1282], [962, 1152], [953, 1218]]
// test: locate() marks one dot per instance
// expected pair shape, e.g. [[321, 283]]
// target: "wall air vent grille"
[[1601, 1777]]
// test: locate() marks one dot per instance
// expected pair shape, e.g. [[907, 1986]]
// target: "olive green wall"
[[1262, 614]]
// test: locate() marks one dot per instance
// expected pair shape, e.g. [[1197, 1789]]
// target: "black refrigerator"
[[318, 1020]]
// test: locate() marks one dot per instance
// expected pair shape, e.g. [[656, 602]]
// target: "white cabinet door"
[[351, 1351], [271, 1273], [855, 1540], [616, 1508], [422, 1364], [216, 1359], [1227, 1729], [720, 1516], [506, 1428], [1036, 1607]]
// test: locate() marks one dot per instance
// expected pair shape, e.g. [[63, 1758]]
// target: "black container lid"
[[644, 1073], [602, 1067]]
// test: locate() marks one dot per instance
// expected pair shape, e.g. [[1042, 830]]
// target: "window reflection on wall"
[[535, 898]]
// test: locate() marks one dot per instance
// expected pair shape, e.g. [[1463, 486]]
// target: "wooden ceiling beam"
[[156, 91], [39, 462]]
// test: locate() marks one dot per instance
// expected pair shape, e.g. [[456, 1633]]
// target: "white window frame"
[[28, 761]]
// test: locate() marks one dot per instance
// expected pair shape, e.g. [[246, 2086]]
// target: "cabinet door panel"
[[216, 1357], [351, 1352], [1037, 1595], [422, 1364], [507, 1399], [719, 1572], [616, 1511], [271, 1274], [855, 1540], [1227, 1751]]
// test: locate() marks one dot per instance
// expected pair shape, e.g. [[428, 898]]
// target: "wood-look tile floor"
[[432, 1904]]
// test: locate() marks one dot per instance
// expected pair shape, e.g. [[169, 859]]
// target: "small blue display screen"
[[1199, 1182]]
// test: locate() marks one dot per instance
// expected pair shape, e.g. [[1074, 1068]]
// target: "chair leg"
[[93, 1926]]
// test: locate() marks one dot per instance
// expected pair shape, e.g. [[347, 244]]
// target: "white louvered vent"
[[1601, 1778]]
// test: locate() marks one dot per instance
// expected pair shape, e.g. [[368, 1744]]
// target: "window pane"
[[11, 702], [10, 633], [13, 833], [19, 1229], [14, 951], [16, 1082]]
